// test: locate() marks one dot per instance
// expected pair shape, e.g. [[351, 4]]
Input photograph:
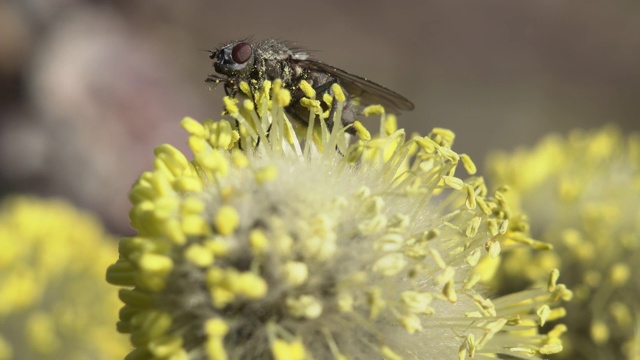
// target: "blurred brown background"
[[89, 88]]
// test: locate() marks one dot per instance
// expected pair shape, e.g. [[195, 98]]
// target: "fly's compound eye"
[[241, 52]]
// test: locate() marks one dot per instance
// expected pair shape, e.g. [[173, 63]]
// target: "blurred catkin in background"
[[581, 194]]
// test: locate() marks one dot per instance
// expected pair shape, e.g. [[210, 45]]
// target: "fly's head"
[[234, 59]]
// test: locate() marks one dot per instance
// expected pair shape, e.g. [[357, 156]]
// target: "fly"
[[272, 59]]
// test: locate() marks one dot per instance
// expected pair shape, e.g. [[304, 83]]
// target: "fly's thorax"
[[271, 49], [283, 69]]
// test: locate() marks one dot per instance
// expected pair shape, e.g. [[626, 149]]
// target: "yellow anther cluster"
[[272, 243]]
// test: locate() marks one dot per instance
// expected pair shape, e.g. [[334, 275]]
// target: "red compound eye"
[[241, 52]]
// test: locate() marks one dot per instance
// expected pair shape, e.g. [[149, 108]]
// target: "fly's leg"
[[268, 131], [321, 89], [348, 115], [326, 87]]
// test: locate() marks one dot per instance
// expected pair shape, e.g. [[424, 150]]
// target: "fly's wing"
[[366, 90]]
